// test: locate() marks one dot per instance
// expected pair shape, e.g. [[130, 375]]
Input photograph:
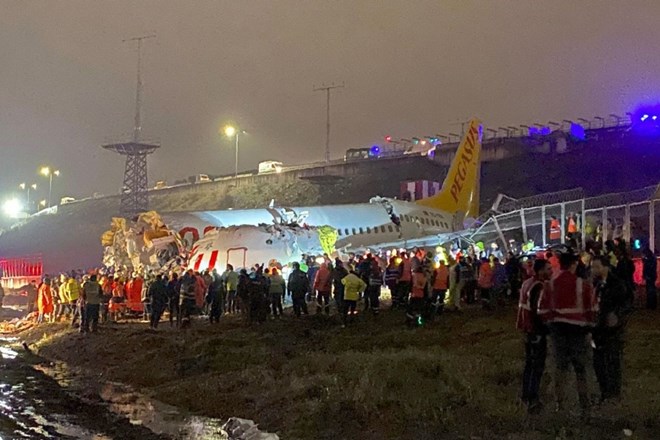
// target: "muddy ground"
[[458, 377]]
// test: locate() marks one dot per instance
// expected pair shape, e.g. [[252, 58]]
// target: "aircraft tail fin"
[[460, 190]]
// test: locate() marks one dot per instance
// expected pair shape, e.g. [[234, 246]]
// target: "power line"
[[327, 90]]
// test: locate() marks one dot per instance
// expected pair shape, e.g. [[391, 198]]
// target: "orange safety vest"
[[441, 278], [555, 230], [572, 226], [406, 271], [568, 299], [419, 285], [524, 321]]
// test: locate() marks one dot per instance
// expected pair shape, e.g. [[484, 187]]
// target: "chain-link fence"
[[570, 218]]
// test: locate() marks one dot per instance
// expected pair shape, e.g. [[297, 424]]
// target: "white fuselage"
[[359, 226]]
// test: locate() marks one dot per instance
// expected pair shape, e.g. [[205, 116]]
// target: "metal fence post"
[[563, 223], [652, 225], [604, 227], [583, 226], [626, 225], [500, 233], [523, 224], [543, 227]]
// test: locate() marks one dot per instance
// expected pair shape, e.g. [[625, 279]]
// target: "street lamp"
[[46, 172], [231, 131], [27, 188]]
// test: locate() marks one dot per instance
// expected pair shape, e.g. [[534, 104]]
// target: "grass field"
[[458, 377]]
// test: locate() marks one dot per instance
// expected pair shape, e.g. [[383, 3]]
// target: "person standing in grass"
[[353, 287], [568, 306], [535, 334]]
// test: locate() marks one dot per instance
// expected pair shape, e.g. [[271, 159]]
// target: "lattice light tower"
[[134, 197]]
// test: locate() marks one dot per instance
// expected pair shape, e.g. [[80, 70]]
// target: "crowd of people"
[[581, 301]]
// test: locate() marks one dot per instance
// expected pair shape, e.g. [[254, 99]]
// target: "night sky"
[[410, 67]]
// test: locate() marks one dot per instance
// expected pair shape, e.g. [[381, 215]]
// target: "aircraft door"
[[237, 257]]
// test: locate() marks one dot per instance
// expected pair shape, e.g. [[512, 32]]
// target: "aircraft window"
[[398, 229], [368, 230], [375, 229], [425, 213], [338, 231], [354, 231], [382, 229], [361, 231], [389, 228], [346, 232], [408, 218]]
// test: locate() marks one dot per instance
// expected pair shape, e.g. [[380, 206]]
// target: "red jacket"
[[485, 276], [568, 299], [323, 279]]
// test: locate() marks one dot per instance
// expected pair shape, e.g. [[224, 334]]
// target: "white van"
[[202, 178], [65, 200], [161, 184], [270, 166]]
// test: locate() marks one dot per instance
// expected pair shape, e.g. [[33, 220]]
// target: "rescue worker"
[[216, 296], [158, 299], [2, 294], [374, 287], [555, 230], [439, 284], [242, 293], [32, 293], [323, 288], [417, 296], [230, 279], [567, 305], [338, 274], [208, 279], [454, 298], [625, 269], [500, 283], [173, 293], [73, 291], [118, 301], [257, 293], [485, 282], [650, 275], [353, 287], [469, 279], [405, 279], [572, 227], [276, 291], [45, 301], [391, 279], [92, 295], [298, 286], [535, 331], [615, 304], [187, 298], [63, 296], [200, 292]]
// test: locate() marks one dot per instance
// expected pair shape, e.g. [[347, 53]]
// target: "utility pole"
[[327, 133], [137, 129]]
